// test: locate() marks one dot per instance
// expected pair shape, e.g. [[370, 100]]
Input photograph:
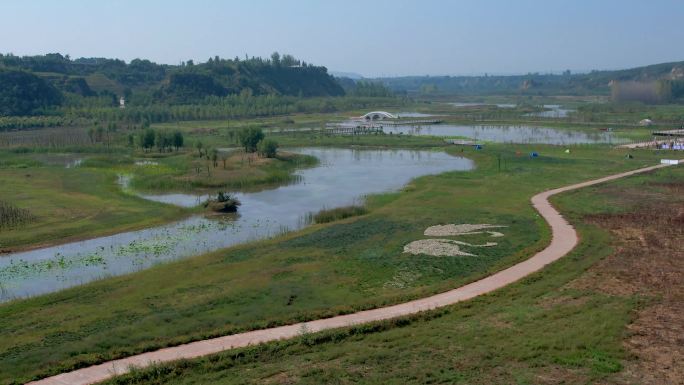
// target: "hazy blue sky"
[[369, 37]]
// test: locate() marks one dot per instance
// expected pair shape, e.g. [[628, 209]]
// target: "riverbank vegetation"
[[72, 130], [72, 204], [85, 200], [12, 216], [324, 270], [603, 314], [338, 213]]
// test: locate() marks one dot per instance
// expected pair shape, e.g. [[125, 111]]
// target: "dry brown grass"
[[648, 263], [238, 169]]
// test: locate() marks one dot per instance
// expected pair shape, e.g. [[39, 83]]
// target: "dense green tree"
[[147, 139], [23, 93], [289, 61], [267, 148], [275, 58], [160, 140], [191, 86], [250, 137], [177, 139]]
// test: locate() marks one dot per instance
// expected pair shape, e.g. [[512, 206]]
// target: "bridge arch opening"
[[379, 115]]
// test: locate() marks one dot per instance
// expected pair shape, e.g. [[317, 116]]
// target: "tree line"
[[163, 140], [213, 108], [229, 107], [29, 85]]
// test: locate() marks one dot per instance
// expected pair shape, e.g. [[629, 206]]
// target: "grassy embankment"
[[67, 204], [324, 270], [70, 204], [233, 170], [566, 324]]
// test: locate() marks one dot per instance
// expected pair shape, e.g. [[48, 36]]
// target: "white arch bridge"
[[378, 115]]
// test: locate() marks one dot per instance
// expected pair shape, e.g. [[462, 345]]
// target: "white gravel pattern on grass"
[[436, 247], [462, 229], [441, 247]]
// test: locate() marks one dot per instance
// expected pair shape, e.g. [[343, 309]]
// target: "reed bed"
[[13, 216]]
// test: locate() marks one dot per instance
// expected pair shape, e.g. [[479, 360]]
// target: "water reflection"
[[552, 111], [343, 177], [507, 133]]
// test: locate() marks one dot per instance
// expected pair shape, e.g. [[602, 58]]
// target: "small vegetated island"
[[247, 160], [223, 203]]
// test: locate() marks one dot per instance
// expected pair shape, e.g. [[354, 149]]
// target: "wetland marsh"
[[343, 177]]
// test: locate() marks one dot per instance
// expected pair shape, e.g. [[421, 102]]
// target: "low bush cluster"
[[331, 215]]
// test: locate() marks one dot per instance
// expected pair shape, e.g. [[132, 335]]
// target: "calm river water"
[[343, 177], [508, 133]]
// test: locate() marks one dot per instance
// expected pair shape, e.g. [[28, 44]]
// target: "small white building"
[[122, 102], [645, 122]]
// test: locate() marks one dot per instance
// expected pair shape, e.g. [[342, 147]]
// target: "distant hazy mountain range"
[[349, 75], [594, 82]]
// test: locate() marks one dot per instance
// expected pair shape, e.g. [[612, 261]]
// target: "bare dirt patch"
[[649, 263]]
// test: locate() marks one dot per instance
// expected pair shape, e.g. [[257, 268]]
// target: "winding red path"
[[563, 241]]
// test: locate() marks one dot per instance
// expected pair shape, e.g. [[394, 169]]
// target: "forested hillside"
[[30, 84], [22, 93], [256, 76], [592, 83]]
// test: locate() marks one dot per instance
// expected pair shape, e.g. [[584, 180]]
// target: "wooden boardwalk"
[[648, 144], [670, 133], [352, 129], [423, 122], [362, 127]]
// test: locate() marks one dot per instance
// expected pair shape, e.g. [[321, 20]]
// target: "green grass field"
[[546, 329], [71, 204], [324, 270]]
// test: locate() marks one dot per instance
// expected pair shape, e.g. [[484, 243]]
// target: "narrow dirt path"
[[564, 239]]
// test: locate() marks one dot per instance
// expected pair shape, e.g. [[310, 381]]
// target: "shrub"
[[250, 138], [325, 216], [224, 203], [267, 148]]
